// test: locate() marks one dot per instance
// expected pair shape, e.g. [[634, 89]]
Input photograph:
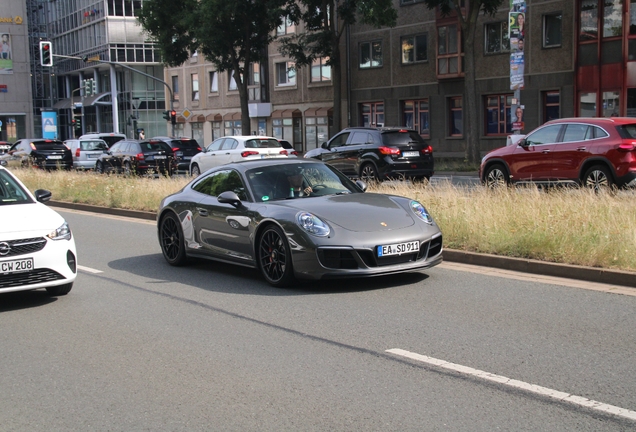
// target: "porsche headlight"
[[312, 224], [62, 233], [421, 212]]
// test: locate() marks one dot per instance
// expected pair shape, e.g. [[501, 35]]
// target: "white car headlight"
[[62, 233], [312, 224], [421, 212]]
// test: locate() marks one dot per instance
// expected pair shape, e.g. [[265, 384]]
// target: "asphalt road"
[[138, 345]]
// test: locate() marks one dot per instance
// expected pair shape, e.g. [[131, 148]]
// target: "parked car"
[[37, 249], [289, 147], [296, 218], [4, 147], [136, 157], [372, 153], [236, 148], [39, 153], [86, 152], [109, 138], [184, 149], [592, 152]]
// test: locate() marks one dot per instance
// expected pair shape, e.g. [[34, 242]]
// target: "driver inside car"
[[296, 186]]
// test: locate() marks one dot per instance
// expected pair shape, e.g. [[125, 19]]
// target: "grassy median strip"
[[572, 226]]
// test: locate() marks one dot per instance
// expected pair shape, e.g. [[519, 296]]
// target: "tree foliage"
[[229, 34]]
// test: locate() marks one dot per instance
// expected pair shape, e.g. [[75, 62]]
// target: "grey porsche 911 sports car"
[[294, 218]]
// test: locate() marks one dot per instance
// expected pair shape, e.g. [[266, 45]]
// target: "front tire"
[[274, 257], [99, 168], [128, 171], [496, 177], [172, 241], [598, 178], [60, 290], [195, 171]]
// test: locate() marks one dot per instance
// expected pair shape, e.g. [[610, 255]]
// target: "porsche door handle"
[[202, 211], [545, 151], [581, 149]]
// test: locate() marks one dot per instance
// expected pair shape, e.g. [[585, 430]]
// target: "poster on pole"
[[49, 124]]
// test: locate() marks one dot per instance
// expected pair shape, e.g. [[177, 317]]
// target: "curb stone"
[[589, 274]]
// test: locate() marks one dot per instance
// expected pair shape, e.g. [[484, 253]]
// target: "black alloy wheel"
[[274, 257], [598, 178], [369, 173], [496, 177], [172, 241]]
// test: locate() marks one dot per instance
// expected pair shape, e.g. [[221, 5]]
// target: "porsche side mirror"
[[522, 142], [324, 145], [42, 195], [362, 185], [229, 197]]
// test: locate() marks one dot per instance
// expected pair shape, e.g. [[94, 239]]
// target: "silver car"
[[86, 152]]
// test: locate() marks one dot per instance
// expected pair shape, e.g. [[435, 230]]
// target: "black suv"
[[183, 148], [377, 153], [137, 157], [41, 153]]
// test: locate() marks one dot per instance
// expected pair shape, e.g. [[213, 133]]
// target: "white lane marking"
[[532, 388], [89, 270]]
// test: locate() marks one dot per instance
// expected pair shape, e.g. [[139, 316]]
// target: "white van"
[[109, 137]]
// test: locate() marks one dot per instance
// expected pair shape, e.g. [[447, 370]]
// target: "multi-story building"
[[16, 104], [100, 40], [577, 56]]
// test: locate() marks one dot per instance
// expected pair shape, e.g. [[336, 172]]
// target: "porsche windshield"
[[10, 190], [284, 181]]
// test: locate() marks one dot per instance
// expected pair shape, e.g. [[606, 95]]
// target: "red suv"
[[594, 152]]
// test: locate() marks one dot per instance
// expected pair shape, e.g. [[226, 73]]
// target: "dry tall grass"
[[562, 225]]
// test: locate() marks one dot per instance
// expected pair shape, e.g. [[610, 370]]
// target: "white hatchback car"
[[37, 249], [234, 149]]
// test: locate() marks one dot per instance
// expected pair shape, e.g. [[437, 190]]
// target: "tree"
[[468, 24], [230, 34], [322, 34]]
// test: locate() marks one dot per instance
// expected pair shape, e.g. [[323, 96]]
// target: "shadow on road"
[[233, 279], [24, 300]]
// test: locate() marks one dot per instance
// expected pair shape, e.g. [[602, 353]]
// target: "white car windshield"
[[10, 190]]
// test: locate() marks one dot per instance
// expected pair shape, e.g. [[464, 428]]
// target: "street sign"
[[186, 113]]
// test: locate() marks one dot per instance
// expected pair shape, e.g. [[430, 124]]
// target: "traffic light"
[[87, 87], [93, 87], [77, 122], [173, 117], [166, 115], [46, 53]]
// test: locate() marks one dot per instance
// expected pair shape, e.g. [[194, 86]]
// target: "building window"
[[414, 49], [455, 117], [552, 30], [285, 74], [612, 18], [283, 128], [589, 20], [195, 86], [497, 39], [415, 115], [551, 105], [372, 114], [587, 104], [611, 104], [286, 27], [320, 71], [175, 87], [254, 77], [498, 114], [316, 131], [370, 55], [214, 82], [216, 130], [231, 81], [197, 132], [448, 58], [408, 2], [233, 127]]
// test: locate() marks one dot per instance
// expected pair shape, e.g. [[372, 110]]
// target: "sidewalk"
[[589, 274]]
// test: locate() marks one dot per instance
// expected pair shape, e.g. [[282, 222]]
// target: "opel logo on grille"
[[5, 248]]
